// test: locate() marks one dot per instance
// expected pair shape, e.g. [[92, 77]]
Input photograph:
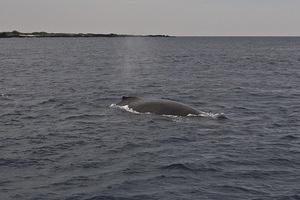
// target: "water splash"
[[209, 115], [126, 108]]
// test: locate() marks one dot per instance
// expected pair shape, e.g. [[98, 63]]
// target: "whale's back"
[[158, 106]]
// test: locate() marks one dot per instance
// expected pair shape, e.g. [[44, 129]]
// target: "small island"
[[17, 34]]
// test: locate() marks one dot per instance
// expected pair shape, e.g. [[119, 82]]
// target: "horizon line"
[[150, 34]]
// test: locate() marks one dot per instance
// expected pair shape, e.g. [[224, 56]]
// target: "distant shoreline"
[[17, 34]]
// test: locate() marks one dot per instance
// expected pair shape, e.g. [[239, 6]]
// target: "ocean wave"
[[290, 137], [4, 97], [239, 189], [12, 114], [189, 167], [48, 101], [170, 140], [19, 162], [259, 174], [83, 116], [178, 166], [110, 197]]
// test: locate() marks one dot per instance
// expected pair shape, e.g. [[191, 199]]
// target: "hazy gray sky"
[[174, 17]]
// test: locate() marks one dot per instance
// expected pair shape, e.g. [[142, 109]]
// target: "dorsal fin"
[[126, 97]]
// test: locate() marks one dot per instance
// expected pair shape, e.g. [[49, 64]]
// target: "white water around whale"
[[126, 108]]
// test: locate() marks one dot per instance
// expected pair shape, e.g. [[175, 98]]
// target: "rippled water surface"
[[61, 139]]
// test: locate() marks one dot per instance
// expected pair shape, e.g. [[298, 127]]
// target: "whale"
[[157, 106]]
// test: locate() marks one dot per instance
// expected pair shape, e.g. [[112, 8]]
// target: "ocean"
[[62, 138]]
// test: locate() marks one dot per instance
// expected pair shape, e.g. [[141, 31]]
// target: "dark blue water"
[[60, 139]]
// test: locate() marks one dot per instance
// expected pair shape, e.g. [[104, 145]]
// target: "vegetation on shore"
[[17, 34]]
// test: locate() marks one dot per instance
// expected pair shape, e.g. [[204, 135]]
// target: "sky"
[[172, 17]]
